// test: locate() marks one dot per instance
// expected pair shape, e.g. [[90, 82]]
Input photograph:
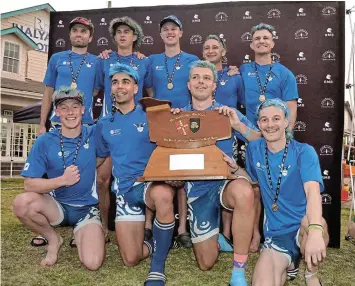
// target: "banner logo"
[[147, 40], [196, 19], [326, 199], [327, 103], [327, 11], [274, 14], [275, 57], [328, 79], [328, 56], [246, 37], [247, 16], [60, 43], [301, 34], [274, 35], [301, 13], [60, 24], [102, 41], [326, 150], [300, 126], [147, 20], [329, 33], [246, 59], [195, 39], [327, 127], [326, 175], [103, 22], [301, 57], [221, 17], [301, 79], [300, 102]]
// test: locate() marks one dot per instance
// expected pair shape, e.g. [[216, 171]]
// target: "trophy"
[[186, 143]]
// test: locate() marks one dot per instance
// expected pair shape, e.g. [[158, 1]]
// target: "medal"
[[274, 207], [170, 85], [262, 89], [262, 97], [73, 85]]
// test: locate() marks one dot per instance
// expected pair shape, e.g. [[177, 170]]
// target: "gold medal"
[[73, 85], [275, 207], [262, 97], [170, 85]]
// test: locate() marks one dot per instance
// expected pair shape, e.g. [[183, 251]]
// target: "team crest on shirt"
[[135, 67], [86, 145], [139, 126], [270, 78], [259, 166], [159, 68], [66, 153], [284, 171], [223, 82], [178, 67]]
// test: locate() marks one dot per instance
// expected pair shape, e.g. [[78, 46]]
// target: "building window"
[[11, 58]]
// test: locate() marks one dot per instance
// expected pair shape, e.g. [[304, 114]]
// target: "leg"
[[255, 242], [311, 276], [239, 196], [37, 211], [149, 216], [270, 268], [159, 197], [227, 222], [103, 182], [184, 237], [206, 252]]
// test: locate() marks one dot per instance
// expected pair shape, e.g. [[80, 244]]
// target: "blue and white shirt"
[[301, 166], [46, 157]]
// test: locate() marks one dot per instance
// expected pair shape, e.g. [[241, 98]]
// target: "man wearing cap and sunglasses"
[[68, 196], [127, 35]]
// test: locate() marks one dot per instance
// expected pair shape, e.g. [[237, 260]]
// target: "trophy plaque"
[[186, 144]]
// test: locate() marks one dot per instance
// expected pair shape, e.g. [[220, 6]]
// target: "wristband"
[[316, 226], [246, 134]]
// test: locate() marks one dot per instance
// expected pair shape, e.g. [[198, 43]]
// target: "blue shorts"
[[131, 205], [286, 244], [77, 216], [204, 213]]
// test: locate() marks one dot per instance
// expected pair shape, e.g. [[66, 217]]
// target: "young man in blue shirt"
[[68, 197], [124, 136], [128, 35], [75, 67], [205, 197], [290, 180]]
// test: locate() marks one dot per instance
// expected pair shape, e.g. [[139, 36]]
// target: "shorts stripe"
[[130, 218]]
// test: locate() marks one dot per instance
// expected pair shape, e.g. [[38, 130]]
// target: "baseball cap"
[[171, 18], [66, 92], [84, 21], [122, 68]]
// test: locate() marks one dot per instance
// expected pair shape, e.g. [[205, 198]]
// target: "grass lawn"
[[19, 263]]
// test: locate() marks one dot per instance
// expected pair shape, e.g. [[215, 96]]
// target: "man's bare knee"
[[92, 262], [21, 204], [205, 263], [131, 259]]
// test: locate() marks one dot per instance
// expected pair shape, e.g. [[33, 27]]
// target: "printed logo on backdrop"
[[301, 13], [326, 199], [301, 57], [147, 20], [327, 103], [274, 35], [329, 33], [60, 43], [274, 14], [103, 22], [102, 41], [328, 56], [326, 175], [275, 57], [221, 17], [195, 39], [299, 126], [60, 24], [247, 16], [327, 127], [300, 102], [147, 40], [196, 19], [246, 59], [98, 102], [327, 11], [301, 34], [328, 79], [246, 37], [224, 60], [326, 150], [301, 79]]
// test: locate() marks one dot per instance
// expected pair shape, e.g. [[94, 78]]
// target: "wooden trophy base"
[[204, 163]]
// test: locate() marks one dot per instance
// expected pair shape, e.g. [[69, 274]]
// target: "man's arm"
[[314, 202], [99, 161], [45, 108], [149, 91], [292, 105]]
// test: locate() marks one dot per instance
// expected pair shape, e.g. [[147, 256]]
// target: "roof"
[[27, 85], [21, 35], [46, 6]]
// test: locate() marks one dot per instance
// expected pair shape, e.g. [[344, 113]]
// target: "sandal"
[[148, 234], [184, 240], [43, 241]]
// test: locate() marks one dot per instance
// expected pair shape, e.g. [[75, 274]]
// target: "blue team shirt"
[[126, 139], [180, 94], [58, 74], [230, 89], [199, 188], [282, 84], [103, 81], [301, 166], [45, 157]]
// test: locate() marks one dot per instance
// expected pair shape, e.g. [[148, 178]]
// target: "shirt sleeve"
[[102, 150], [100, 75], [308, 164], [36, 163], [289, 87], [247, 122], [148, 79], [50, 77], [249, 166]]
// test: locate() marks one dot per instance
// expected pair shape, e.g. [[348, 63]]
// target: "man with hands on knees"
[[205, 197], [68, 197], [290, 182]]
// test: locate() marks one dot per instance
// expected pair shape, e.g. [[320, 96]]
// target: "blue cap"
[[171, 18], [122, 68]]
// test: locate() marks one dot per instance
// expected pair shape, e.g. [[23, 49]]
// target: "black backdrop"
[[309, 41]]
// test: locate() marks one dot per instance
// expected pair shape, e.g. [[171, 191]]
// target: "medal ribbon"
[[278, 186], [218, 82], [76, 149], [170, 77], [131, 61], [75, 77], [262, 89]]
